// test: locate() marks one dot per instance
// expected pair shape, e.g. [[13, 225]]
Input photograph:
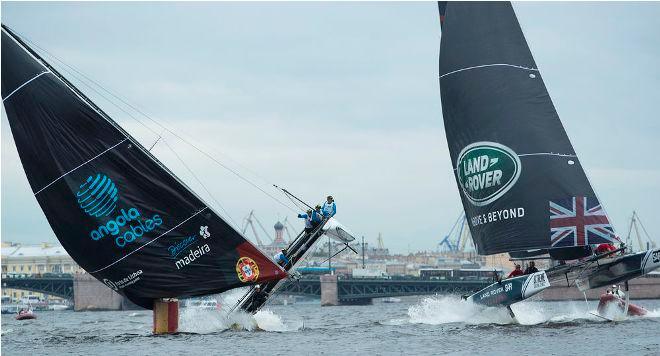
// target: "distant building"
[[34, 259], [278, 243]]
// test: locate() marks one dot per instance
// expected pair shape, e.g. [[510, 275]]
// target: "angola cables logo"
[[97, 196], [247, 269], [486, 171]]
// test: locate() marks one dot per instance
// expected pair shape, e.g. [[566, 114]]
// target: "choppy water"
[[415, 326]]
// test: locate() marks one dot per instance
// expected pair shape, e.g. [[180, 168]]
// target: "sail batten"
[[521, 182], [118, 211], [486, 66]]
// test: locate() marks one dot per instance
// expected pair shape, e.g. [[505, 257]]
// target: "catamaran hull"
[[607, 300], [337, 231], [512, 290], [620, 269]]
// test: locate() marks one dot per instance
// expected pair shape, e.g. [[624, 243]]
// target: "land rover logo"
[[486, 170]]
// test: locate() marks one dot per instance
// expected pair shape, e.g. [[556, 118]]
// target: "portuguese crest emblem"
[[247, 269]]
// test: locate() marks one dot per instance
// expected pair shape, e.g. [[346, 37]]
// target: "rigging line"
[[200, 183], [150, 241], [163, 127], [128, 104], [155, 142], [294, 203], [24, 84], [81, 81]]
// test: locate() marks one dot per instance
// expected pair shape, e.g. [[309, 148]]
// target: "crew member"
[[496, 277], [281, 258], [317, 216], [605, 248], [531, 268], [308, 220], [516, 272], [329, 207], [617, 291], [258, 298]]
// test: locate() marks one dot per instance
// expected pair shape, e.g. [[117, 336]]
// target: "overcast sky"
[[343, 99]]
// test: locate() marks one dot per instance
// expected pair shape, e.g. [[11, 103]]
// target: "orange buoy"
[[166, 316]]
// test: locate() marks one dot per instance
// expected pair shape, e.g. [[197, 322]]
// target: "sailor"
[[496, 277], [605, 248], [329, 207], [308, 220], [281, 258], [617, 291], [531, 268], [317, 216], [258, 298], [516, 272]]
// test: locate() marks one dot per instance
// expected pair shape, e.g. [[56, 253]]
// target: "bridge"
[[59, 285], [359, 291], [348, 291]]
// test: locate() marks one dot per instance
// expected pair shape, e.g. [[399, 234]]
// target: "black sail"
[[120, 214], [520, 181]]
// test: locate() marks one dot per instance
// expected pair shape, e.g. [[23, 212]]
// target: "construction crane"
[[381, 245], [636, 223], [458, 237], [249, 221], [287, 225]]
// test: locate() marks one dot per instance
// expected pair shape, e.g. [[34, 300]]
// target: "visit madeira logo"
[[486, 171], [97, 197]]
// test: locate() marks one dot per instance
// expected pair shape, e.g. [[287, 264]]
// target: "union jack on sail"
[[579, 221]]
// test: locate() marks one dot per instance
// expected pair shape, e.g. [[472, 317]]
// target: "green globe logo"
[[486, 171], [97, 196]]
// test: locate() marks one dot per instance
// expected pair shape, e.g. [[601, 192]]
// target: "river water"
[[416, 325]]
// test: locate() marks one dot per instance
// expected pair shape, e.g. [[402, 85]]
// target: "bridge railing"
[[46, 275]]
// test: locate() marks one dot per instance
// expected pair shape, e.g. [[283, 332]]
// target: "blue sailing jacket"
[[308, 221], [316, 217], [329, 210]]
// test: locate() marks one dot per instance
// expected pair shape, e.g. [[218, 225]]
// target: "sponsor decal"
[[656, 256], [176, 249], [97, 197], [486, 171], [204, 232], [493, 216], [247, 269], [539, 281], [124, 282], [192, 256], [194, 253], [493, 292]]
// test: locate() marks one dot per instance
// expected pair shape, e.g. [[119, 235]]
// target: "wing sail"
[[119, 213], [521, 183]]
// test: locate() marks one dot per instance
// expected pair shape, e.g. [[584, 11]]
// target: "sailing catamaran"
[[118, 211], [522, 185], [257, 296]]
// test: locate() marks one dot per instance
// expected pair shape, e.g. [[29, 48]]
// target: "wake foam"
[[655, 313], [205, 321], [452, 309]]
